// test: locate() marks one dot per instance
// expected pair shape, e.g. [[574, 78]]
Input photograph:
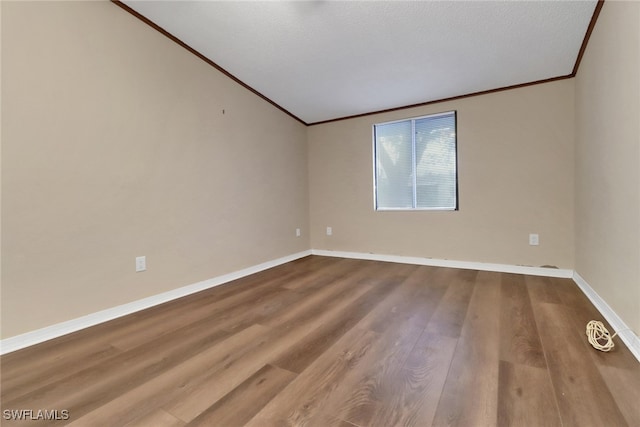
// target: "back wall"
[[515, 171]]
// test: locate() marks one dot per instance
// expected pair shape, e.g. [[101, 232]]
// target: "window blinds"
[[415, 163]]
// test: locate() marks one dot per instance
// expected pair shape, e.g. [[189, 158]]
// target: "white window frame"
[[414, 175]]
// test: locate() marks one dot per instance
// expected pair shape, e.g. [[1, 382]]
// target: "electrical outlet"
[[298, 232], [534, 240], [141, 263], [329, 231]]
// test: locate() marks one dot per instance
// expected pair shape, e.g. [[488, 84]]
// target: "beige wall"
[[114, 145], [608, 160], [515, 157]]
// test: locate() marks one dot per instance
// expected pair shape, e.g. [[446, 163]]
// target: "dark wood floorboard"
[[325, 341], [519, 338], [525, 397], [258, 389], [470, 393]]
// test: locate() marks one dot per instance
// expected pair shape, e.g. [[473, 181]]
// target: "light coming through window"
[[416, 164]]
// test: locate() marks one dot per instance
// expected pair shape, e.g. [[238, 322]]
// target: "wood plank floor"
[[337, 342]]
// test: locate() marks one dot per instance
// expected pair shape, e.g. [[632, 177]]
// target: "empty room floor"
[[326, 341]]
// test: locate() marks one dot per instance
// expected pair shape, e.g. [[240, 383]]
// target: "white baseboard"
[[627, 336], [18, 342], [467, 265]]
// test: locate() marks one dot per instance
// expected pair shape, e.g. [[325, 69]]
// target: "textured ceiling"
[[322, 60]]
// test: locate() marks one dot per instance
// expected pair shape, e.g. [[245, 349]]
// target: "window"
[[416, 163]]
